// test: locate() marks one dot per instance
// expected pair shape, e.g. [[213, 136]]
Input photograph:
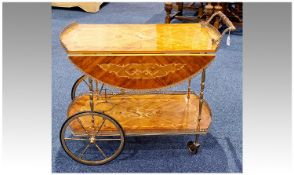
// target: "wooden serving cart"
[[139, 60]]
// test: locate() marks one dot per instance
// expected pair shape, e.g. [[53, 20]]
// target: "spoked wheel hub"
[[92, 139]]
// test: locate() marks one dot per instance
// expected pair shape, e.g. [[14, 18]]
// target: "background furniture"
[[91, 7], [180, 7], [203, 11]]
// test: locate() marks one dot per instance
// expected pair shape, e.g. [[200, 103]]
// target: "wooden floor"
[[149, 114]]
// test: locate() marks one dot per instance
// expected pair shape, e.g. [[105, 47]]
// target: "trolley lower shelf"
[[145, 114]]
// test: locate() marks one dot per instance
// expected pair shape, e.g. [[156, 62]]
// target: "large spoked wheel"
[[92, 138], [75, 86], [84, 80]]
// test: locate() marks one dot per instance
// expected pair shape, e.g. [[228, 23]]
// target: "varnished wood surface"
[[138, 38], [145, 114], [142, 72]]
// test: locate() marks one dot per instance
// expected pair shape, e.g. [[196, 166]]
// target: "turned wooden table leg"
[[168, 8], [180, 6], [238, 11], [200, 10], [217, 8], [208, 10], [238, 7]]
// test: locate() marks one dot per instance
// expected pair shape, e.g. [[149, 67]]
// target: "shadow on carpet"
[[156, 154]]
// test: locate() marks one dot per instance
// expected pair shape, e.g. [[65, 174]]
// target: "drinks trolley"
[[140, 60]]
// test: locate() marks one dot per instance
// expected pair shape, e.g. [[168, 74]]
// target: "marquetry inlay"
[[157, 113], [140, 56], [141, 71]]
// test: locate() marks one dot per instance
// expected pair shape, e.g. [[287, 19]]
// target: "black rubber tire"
[[74, 87], [87, 162]]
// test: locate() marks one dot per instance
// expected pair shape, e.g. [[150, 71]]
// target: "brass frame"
[[128, 92], [193, 146], [226, 20], [201, 100], [94, 92]]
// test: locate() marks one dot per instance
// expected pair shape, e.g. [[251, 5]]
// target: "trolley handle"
[[225, 20]]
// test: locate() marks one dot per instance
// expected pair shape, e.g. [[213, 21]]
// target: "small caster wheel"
[[193, 147]]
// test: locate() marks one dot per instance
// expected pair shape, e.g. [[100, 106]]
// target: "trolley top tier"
[[139, 38]]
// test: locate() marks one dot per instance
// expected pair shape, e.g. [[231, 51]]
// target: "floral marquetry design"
[[140, 56], [141, 71], [151, 113]]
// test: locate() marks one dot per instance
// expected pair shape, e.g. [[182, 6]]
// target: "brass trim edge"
[[150, 54]]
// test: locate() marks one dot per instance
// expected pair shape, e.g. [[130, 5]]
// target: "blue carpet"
[[221, 149]]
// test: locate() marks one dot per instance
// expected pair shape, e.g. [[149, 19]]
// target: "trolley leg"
[[96, 89], [196, 142], [105, 95], [189, 89], [122, 91], [201, 99], [91, 94], [193, 146], [92, 102]]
